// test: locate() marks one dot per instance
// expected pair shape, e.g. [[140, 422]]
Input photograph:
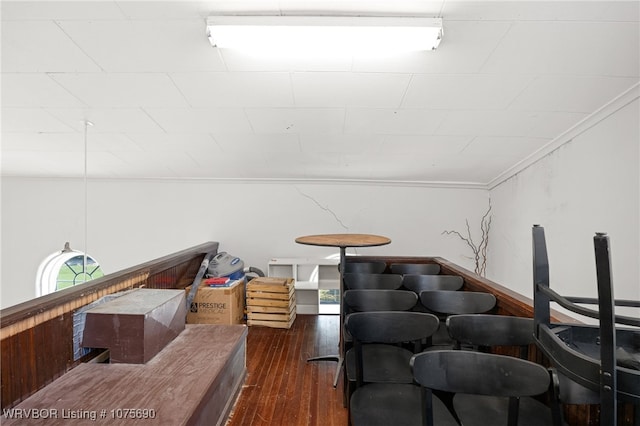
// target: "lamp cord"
[[86, 203]]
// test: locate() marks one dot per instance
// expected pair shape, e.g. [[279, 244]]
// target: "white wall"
[[590, 184], [130, 222]]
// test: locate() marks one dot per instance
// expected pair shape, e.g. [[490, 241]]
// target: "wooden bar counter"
[[194, 380]]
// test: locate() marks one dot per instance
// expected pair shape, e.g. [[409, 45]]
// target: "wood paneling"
[[37, 336]]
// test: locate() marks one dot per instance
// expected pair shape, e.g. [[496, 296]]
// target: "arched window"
[[64, 269]]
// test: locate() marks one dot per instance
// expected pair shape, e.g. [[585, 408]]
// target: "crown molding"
[[582, 126], [276, 181]]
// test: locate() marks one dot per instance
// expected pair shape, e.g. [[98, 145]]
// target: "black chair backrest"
[[491, 330], [457, 302], [372, 267], [386, 328], [364, 281], [419, 283], [415, 268], [379, 300], [479, 373], [390, 326]]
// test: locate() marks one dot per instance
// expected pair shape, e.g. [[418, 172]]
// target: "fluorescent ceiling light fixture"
[[324, 33]]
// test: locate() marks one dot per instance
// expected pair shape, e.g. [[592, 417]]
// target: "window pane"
[[73, 272], [329, 301]]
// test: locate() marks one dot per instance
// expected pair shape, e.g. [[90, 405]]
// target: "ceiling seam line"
[[57, 23]]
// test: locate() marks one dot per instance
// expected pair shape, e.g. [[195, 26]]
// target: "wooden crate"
[[271, 302]]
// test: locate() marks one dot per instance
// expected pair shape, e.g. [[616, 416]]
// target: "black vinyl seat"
[[415, 268], [362, 281], [487, 388], [381, 369]]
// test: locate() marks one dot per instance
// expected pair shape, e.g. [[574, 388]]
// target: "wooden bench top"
[[173, 387]]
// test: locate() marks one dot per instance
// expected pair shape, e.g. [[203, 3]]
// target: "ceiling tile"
[[505, 148], [524, 10], [301, 120], [35, 90], [463, 91], [106, 120], [41, 10], [145, 9], [394, 166], [241, 89], [355, 7], [392, 121], [249, 165], [277, 170], [578, 48], [349, 89], [146, 46], [426, 146], [200, 120], [193, 142], [621, 11], [230, 162], [488, 123], [303, 165], [339, 143], [553, 124], [454, 169], [34, 142], [67, 142], [583, 94], [122, 89], [243, 143], [31, 120], [508, 77], [154, 164], [41, 46], [348, 170], [109, 164], [106, 142]]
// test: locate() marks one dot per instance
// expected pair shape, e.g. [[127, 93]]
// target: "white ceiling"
[[507, 79]]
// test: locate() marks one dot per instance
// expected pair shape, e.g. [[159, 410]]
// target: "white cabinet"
[[312, 276]]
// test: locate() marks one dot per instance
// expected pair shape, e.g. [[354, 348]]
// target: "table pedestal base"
[[337, 358]]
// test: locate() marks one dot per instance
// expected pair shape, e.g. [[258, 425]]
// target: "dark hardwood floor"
[[282, 388]]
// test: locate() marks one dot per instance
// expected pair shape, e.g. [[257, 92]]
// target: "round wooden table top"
[[343, 240]]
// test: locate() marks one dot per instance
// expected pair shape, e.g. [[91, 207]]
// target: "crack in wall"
[[327, 209]]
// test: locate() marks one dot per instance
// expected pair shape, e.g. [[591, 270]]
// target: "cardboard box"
[[271, 302], [217, 305]]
